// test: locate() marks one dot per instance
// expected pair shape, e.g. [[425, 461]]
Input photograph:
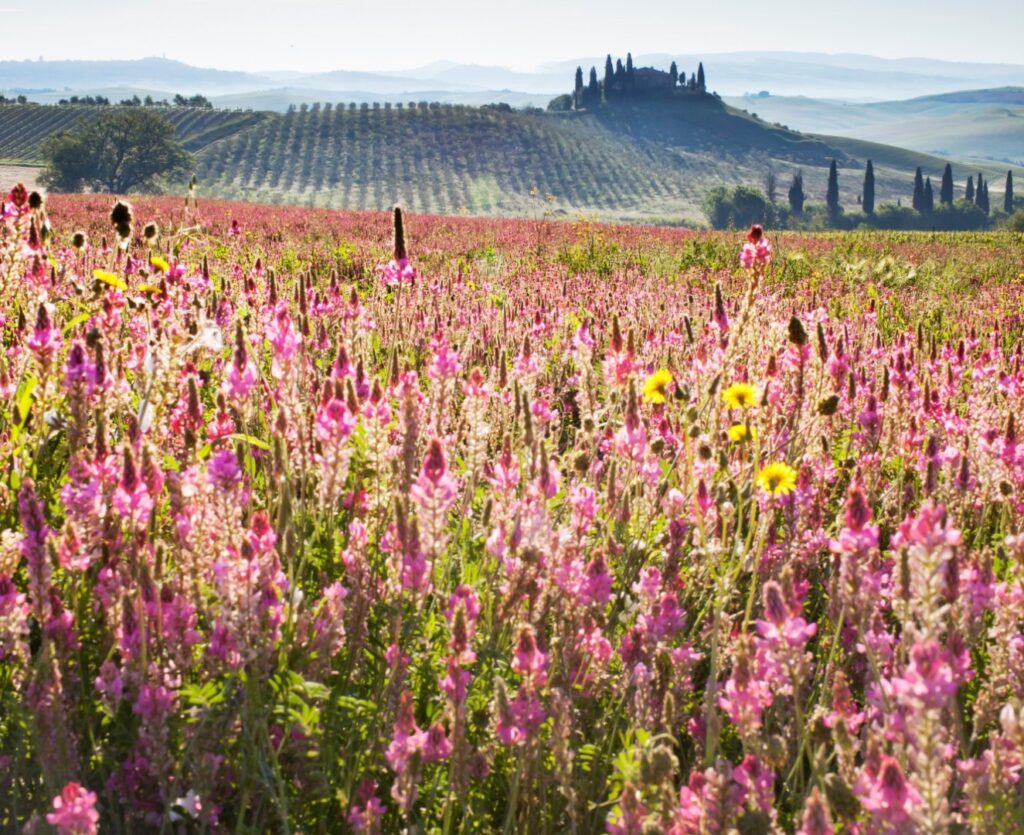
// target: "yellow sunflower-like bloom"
[[740, 432], [740, 396], [778, 479], [110, 279], [656, 386], [159, 264]]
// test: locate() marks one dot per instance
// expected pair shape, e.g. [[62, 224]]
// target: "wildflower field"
[[505, 526]]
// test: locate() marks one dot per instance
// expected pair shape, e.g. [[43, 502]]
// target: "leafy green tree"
[[868, 201], [946, 192], [702, 86], [1008, 194], [577, 90], [796, 194], [125, 150], [832, 192], [738, 208], [559, 104], [969, 193], [609, 77], [718, 207], [673, 74], [929, 196]]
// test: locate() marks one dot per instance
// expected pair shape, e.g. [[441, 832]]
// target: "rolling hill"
[[986, 124], [644, 160], [23, 128]]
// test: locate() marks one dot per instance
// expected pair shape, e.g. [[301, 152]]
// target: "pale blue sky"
[[315, 35]]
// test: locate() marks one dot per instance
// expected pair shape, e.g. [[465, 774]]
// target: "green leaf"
[[74, 323]]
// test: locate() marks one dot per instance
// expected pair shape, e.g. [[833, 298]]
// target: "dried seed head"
[[400, 252]]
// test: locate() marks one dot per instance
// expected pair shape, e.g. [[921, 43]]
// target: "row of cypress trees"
[[923, 199], [924, 196]]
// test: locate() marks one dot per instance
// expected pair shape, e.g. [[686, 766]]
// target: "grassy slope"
[[646, 160]]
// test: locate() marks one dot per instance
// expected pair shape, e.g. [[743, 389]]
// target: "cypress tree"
[[620, 74], [868, 202], [981, 197], [693, 82], [946, 193], [593, 89], [702, 86], [978, 189], [929, 196], [1008, 194], [970, 189], [609, 77], [673, 74], [630, 76], [578, 88], [796, 194], [832, 193], [918, 201]]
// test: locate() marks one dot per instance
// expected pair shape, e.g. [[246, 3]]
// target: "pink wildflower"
[[74, 811]]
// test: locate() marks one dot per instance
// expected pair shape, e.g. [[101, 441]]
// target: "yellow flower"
[[109, 278], [740, 432], [159, 264], [656, 385], [778, 479], [740, 396]]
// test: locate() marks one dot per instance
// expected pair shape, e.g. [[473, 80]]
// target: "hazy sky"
[[313, 35]]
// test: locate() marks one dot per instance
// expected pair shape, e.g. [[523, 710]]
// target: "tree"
[[702, 86], [918, 202], [868, 202], [609, 77], [593, 89], [577, 90], [129, 149], [630, 72], [796, 194], [929, 196], [832, 192], [771, 185], [946, 192], [1008, 194], [981, 196], [737, 208], [969, 193], [673, 74]]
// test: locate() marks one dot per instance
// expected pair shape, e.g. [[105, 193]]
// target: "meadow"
[[333, 522]]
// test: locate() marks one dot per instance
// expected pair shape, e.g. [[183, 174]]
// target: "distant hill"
[[643, 160], [816, 75], [153, 73], [281, 98], [986, 124]]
